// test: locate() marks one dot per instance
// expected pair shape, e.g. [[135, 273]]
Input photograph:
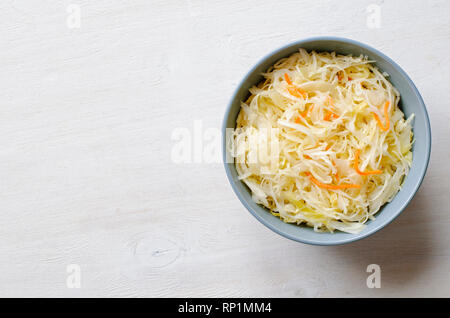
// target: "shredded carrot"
[[363, 173], [340, 77], [307, 157], [294, 91], [297, 120], [327, 147], [330, 114], [349, 78], [304, 113], [288, 80], [332, 186], [386, 115], [337, 177]]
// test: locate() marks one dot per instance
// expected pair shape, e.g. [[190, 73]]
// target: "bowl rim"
[[418, 182]]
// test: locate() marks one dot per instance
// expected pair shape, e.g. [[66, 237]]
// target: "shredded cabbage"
[[284, 141]]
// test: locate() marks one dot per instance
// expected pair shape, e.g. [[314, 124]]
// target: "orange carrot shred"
[[332, 186], [386, 115], [330, 114], [304, 113], [294, 91], [288, 80], [363, 173]]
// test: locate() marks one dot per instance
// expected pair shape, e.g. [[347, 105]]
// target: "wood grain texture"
[[86, 175]]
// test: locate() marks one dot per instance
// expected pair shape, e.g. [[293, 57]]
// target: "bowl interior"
[[411, 102]]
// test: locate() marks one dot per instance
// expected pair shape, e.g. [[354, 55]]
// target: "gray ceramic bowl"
[[411, 102]]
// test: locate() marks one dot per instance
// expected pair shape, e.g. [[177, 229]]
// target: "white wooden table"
[[92, 95]]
